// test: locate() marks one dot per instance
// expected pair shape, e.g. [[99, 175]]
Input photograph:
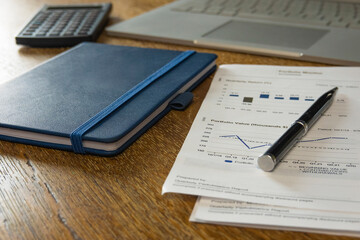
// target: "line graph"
[[321, 139], [245, 144], [269, 144], [310, 154]]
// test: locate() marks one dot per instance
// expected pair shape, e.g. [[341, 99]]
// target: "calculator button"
[[64, 25]]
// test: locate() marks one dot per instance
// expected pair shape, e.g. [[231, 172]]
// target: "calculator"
[[64, 25]]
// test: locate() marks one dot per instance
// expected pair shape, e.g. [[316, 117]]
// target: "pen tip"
[[334, 90]]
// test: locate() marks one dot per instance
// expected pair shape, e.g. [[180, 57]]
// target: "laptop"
[[310, 30]]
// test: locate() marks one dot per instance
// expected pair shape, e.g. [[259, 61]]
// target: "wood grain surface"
[[53, 194]]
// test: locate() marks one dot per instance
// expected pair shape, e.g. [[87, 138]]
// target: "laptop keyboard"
[[323, 13]]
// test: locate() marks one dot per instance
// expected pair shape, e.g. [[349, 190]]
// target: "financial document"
[[247, 109], [245, 214]]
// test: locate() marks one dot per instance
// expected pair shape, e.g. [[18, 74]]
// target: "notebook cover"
[[61, 94]]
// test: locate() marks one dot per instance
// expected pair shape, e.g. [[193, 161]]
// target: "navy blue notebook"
[[98, 98]]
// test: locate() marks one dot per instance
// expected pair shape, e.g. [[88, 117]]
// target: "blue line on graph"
[[320, 139], [264, 95], [243, 142], [294, 98], [264, 145]]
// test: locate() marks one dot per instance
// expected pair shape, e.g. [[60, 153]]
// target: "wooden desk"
[[52, 194]]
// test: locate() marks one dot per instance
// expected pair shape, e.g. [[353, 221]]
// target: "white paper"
[[246, 109], [230, 212]]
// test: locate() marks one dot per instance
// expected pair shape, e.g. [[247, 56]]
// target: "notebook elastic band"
[[76, 135]]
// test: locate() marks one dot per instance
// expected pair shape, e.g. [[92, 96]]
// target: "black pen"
[[300, 127]]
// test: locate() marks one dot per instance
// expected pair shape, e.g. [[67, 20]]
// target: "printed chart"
[[258, 110]]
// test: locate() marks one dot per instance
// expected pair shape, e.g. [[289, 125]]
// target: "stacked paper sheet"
[[315, 188]]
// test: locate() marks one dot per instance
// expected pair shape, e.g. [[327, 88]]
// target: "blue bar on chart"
[[309, 99], [294, 98], [234, 95], [279, 98], [228, 161], [264, 95]]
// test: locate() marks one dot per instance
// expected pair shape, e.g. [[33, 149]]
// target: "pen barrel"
[[281, 147], [310, 117], [318, 107]]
